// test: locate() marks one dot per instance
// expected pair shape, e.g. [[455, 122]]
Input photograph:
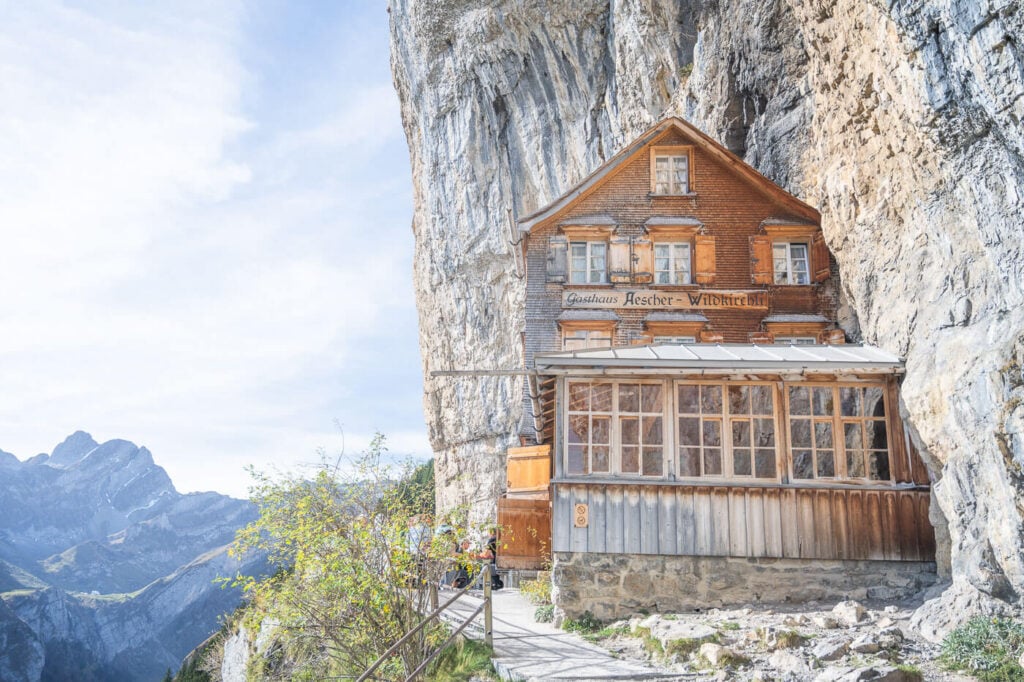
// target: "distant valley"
[[106, 571]]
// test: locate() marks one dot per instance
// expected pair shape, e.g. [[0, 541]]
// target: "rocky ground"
[[825, 643]]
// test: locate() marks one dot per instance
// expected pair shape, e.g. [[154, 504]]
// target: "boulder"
[[849, 612]]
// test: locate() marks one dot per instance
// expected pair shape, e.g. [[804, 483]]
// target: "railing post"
[[488, 611]]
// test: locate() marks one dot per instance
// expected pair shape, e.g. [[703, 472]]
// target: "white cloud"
[[173, 268]]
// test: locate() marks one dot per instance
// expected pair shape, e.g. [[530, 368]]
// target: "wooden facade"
[[676, 241], [734, 521]]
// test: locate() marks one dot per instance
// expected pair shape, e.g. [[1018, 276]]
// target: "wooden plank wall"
[[804, 523], [525, 541]]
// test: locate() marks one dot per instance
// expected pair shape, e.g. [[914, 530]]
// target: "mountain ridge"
[[104, 562]]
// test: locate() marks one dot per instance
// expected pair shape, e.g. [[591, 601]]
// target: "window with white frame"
[[672, 263], [839, 432], [588, 262], [671, 173], [675, 339], [726, 430], [627, 414], [579, 339], [796, 340], [790, 263]]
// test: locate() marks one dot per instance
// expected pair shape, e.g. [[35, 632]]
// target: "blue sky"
[[205, 241]]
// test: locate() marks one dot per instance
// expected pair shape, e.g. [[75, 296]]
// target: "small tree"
[[355, 555]]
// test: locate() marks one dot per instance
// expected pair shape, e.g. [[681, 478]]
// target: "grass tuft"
[[986, 647], [463, 661]]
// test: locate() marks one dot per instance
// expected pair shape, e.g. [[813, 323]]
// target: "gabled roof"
[[732, 357], [707, 144]]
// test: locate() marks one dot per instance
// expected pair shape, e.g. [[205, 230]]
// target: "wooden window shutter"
[[821, 259], [761, 259], [704, 258], [618, 259], [558, 266], [643, 255]]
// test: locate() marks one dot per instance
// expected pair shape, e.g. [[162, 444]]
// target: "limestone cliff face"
[[900, 120]]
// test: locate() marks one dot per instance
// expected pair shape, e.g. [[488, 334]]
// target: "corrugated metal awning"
[[738, 357]]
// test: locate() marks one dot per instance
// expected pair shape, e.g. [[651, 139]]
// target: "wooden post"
[[488, 610], [433, 596]]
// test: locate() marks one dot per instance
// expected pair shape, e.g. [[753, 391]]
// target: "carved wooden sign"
[[580, 515], [652, 298]]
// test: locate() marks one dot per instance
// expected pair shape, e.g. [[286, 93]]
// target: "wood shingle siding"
[[796, 523]]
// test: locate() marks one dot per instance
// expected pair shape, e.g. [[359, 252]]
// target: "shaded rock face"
[[900, 121]]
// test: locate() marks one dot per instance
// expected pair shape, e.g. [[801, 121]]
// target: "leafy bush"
[[355, 554], [986, 647], [545, 613], [582, 625], [537, 591]]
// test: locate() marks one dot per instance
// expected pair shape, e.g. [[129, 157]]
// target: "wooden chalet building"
[[697, 431]]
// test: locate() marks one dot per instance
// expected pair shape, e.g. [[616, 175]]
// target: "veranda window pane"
[[712, 433], [711, 399], [689, 461], [761, 400], [601, 398], [602, 431], [630, 431], [652, 462], [653, 431], [800, 433], [741, 462], [764, 433], [712, 462], [855, 463], [578, 428], [826, 464], [878, 466], [579, 397], [874, 404], [850, 401], [576, 459], [739, 400], [741, 433], [599, 463], [764, 463], [630, 460], [651, 398], [823, 435], [629, 398], [687, 402], [852, 436], [803, 464], [823, 402], [799, 400], [689, 431], [875, 435]]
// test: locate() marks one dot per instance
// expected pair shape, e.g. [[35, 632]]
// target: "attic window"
[[670, 170]]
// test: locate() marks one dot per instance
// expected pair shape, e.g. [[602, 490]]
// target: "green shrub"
[[728, 625], [537, 591], [582, 625], [545, 613], [986, 647]]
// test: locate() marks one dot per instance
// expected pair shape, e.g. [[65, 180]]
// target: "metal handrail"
[[488, 628]]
